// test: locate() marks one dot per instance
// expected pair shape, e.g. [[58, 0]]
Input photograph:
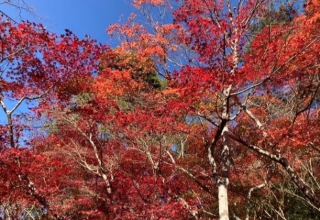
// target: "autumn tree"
[[207, 110], [261, 85], [35, 64], [121, 139]]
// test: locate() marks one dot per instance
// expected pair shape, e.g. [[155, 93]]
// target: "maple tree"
[[233, 81], [34, 67], [207, 110], [115, 139]]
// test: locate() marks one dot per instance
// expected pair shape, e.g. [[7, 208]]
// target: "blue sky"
[[80, 16]]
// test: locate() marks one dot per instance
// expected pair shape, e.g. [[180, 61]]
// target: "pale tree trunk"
[[101, 168], [223, 202], [9, 121], [223, 179]]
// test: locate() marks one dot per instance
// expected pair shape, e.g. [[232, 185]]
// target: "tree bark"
[[223, 179], [10, 128]]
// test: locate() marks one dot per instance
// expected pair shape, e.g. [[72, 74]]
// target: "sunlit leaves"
[[126, 132]]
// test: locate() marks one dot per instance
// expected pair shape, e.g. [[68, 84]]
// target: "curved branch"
[[302, 186]]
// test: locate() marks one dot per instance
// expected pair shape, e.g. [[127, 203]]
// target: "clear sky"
[[82, 17]]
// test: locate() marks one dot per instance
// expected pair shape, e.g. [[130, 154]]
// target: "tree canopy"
[[204, 110]]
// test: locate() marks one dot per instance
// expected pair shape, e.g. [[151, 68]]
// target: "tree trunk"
[[10, 127], [223, 179], [223, 202]]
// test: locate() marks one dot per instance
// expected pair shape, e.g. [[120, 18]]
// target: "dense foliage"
[[208, 110]]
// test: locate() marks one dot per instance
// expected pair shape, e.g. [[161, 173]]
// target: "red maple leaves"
[[217, 96]]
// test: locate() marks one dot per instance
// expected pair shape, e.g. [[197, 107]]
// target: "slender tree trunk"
[[223, 179], [10, 127], [223, 202]]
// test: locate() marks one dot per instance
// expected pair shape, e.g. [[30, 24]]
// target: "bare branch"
[[302, 186]]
